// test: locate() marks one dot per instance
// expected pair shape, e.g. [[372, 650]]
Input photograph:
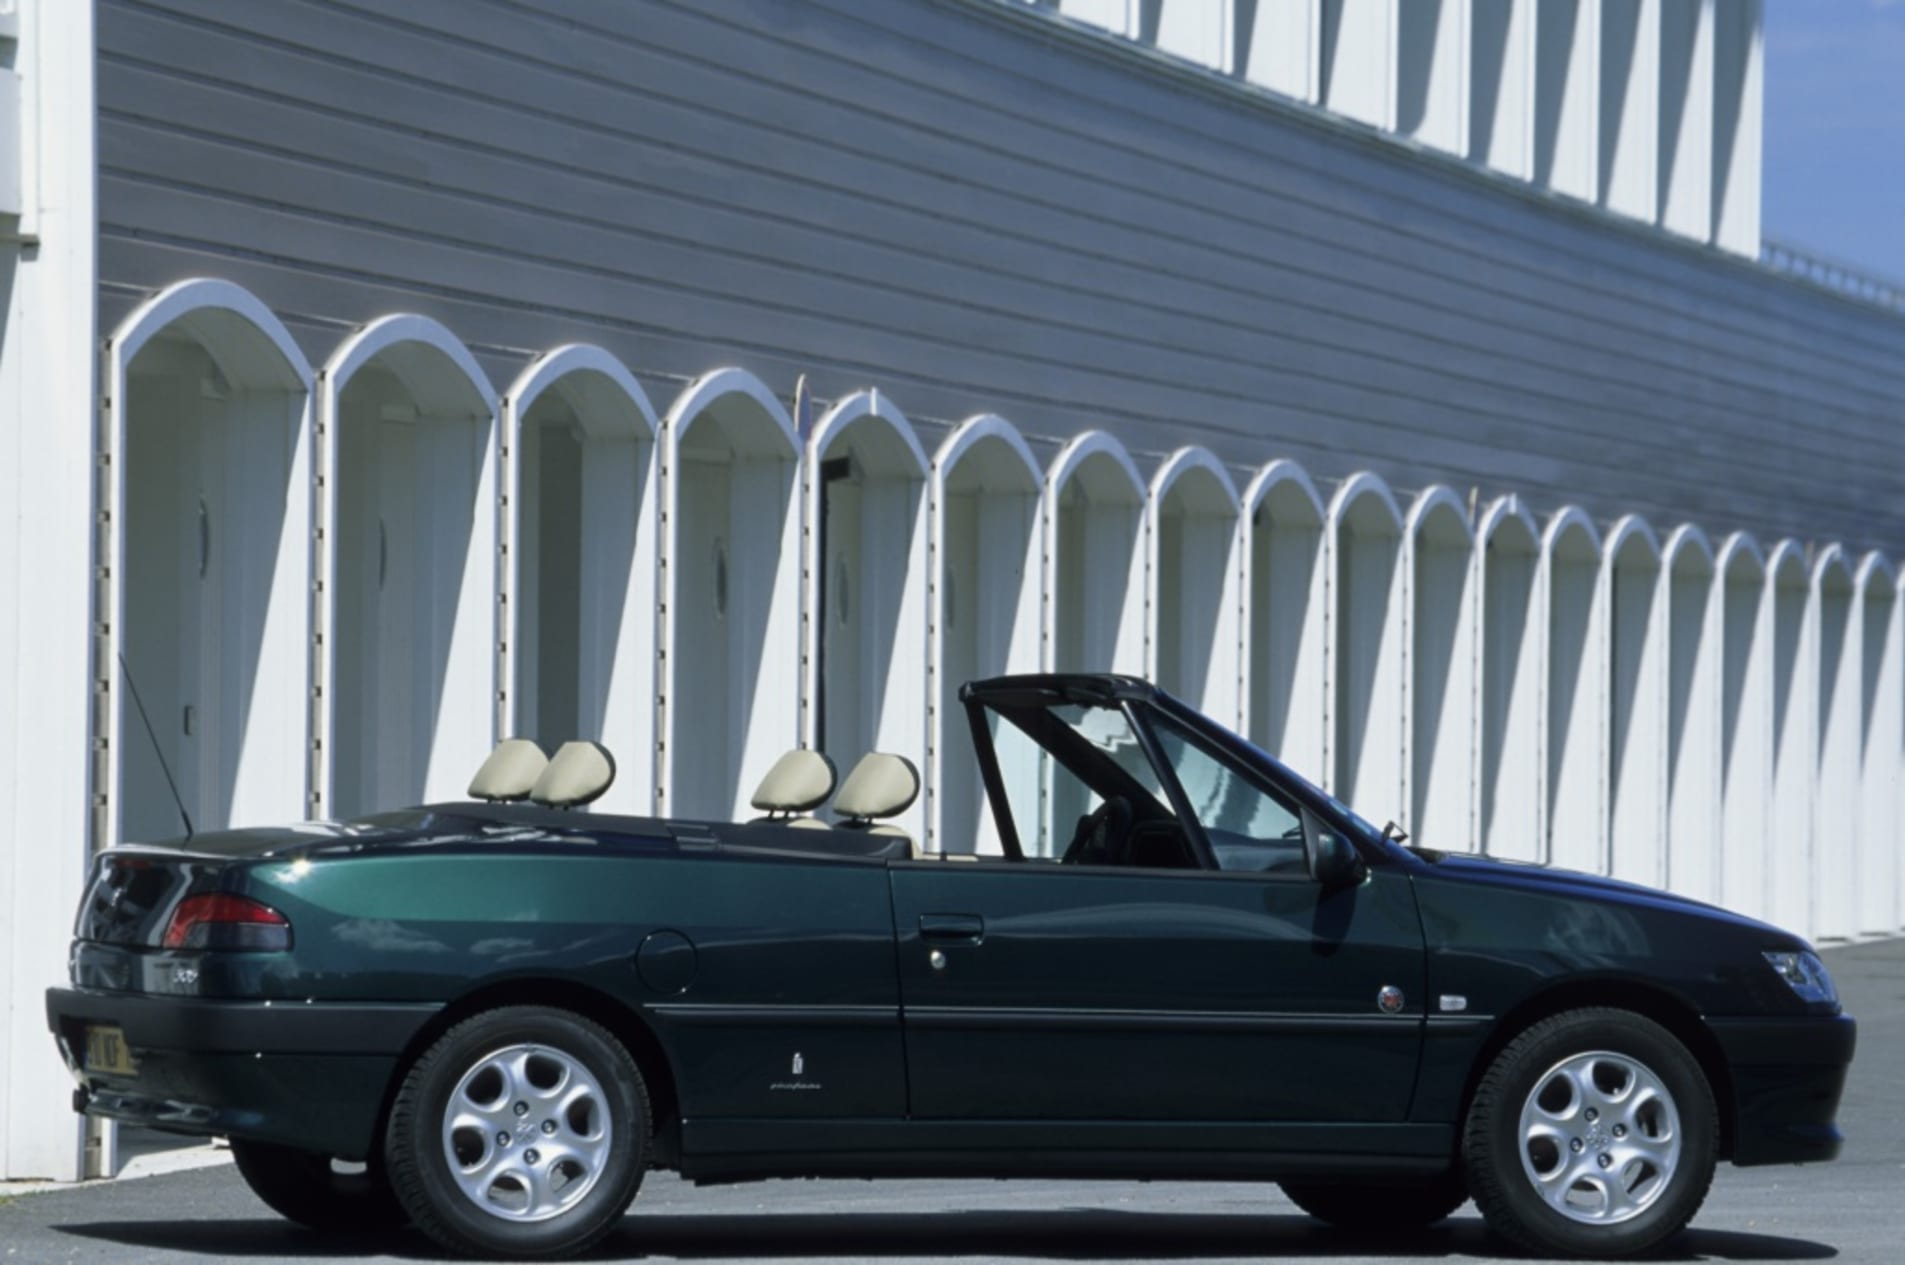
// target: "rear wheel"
[[1390, 1204], [314, 1191], [522, 1132], [1593, 1133]]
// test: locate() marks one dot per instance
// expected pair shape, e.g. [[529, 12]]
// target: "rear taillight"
[[218, 921]]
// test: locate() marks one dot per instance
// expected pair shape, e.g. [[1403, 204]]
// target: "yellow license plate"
[[107, 1051]]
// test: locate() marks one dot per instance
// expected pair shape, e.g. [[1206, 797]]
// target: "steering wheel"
[[1100, 837]]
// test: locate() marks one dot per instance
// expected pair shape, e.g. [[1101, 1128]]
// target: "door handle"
[[956, 928]]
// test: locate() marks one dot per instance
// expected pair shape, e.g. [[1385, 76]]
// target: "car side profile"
[[1172, 958]]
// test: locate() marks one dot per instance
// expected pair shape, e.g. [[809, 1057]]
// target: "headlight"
[[1805, 974]]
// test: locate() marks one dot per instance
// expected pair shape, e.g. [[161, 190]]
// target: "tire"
[[1399, 1204], [302, 1186], [522, 1132], [1577, 1096]]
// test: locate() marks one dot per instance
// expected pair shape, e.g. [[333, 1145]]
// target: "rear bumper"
[[1787, 1077], [309, 1075]]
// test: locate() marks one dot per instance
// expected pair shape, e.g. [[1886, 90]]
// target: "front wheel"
[[1393, 1204], [1593, 1133], [522, 1132]]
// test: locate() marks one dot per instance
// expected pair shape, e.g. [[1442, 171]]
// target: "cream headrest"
[[578, 774], [881, 785], [510, 772], [799, 781]]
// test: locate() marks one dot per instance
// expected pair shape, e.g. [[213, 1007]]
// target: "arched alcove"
[[1286, 630], [410, 636], [210, 427], [867, 582], [1196, 646], [1093, 510], [1637, 704], [731, 573], [1835, 833], [1512, 629], [1439, 568], [1693, 716], [1366, 663], [985, 609], [1880, 682], [1746, 724], [1794, 648], [1575, 729], [582, 551]]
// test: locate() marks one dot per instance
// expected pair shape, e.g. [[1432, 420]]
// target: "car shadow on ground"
[[1084, 1234]]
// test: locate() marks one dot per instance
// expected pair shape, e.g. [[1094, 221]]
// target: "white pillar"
[[1277, 49], [1687, 599], [1746, 725], [1501, 85], [1286, 621], [1630, 105], [1568, 96], [1196, 30], [1637, 688], [1357, 50], [1739, 73], [1432, 88], [48, 367], [1685, 157], [1576, 703], [1880, 677], [1438, 574], [1366, 658], [1512, 632], [1795, 649], [1835, 850]]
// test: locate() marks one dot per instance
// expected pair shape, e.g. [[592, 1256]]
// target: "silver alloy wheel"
[[1600, 1137], [527, 1132]]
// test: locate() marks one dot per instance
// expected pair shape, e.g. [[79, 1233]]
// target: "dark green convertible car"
[[1176, 959]]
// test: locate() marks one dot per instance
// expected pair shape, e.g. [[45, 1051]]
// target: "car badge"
[[1454, 1002], [799, 1065], [1389, 1000]]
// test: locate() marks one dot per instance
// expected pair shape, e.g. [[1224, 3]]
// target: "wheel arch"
[[624, 1022], [1641, 997]]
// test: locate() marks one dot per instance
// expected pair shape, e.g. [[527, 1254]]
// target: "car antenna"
[[164, 768]]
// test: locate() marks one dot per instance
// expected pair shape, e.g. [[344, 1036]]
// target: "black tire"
[[1651, 1191], [304, 1187], [470, 1208], [1396, 1204]]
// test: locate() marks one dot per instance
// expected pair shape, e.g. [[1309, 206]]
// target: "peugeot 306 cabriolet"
[[1172, 958]]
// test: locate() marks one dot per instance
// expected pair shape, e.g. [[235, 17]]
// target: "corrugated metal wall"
[[972, 214]]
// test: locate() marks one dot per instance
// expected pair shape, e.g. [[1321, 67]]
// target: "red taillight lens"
[[219, 921]]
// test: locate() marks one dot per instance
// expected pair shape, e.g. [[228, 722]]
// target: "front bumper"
[[311, 1075], [1787, 1076]]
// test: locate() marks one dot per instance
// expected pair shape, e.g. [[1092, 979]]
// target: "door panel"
[[1080, 993]]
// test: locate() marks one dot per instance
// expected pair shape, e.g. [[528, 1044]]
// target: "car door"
[[1128, 985]]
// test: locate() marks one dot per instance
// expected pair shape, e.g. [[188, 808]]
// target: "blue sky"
[[1835, 129]]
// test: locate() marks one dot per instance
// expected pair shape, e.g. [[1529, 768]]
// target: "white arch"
[[1194, 644], [1092, 604], [257, 357], [705, 394], [864, 632], [1637, 688], [1572, 595], [1793, 648], [1367, 752], [393, 334], [987, 577], [594, 383], [444, 383], [1273, 478], [1286, 590], [1881, 683], [730, 567], [1511, 634], [1740, 545], [1742, 593], [1689, 600], [1081, 448], [615, 498], [1438, 730], [1835, 853]]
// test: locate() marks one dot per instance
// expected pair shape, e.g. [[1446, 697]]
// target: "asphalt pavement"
[[1852, 1210]]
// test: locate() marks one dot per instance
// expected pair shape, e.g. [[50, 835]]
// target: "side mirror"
[[1337, 864]]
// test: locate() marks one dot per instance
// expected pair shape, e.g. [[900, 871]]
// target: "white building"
[[1397, 381]]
